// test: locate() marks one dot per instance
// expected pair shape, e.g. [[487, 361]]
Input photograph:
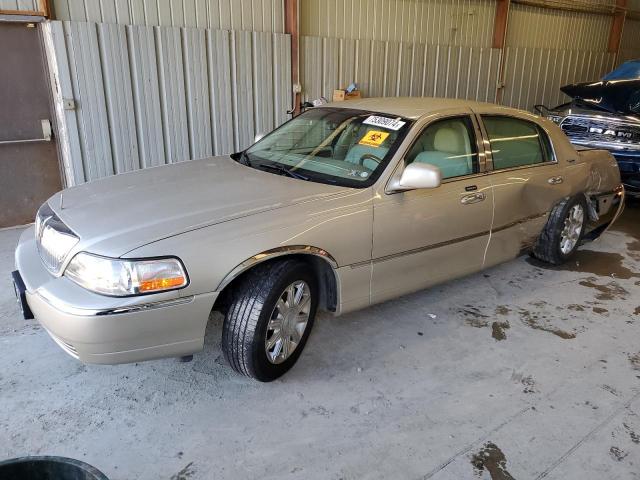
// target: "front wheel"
[[269, 319], [563, 231]]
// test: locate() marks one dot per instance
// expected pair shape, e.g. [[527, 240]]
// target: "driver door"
[[426, 236]]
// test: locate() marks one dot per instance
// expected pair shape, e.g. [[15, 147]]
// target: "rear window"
[[516, 142]]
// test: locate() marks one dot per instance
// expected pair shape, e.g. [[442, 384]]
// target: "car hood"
[[115, 215]]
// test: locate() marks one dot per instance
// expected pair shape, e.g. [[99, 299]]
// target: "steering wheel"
[[369, 156]]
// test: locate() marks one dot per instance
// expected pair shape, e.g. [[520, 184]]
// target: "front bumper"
[[98, 329], [629, 172]]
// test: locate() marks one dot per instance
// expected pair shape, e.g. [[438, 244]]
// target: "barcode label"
[[384, 122]]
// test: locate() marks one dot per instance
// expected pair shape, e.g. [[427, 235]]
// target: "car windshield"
[[339, 146]]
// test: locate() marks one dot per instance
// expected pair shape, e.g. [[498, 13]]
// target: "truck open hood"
[[617, 92], [117, 214]]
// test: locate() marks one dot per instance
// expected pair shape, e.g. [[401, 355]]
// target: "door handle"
[[555, 180], [473, 198]]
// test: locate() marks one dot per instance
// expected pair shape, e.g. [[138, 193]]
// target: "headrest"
[[449, 140]]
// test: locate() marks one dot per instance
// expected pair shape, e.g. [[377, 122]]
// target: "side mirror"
[[416, 176]]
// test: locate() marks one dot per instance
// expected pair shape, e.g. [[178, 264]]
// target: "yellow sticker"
[[374, 138]]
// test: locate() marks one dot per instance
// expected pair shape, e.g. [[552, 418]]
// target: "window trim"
[[489, 151]]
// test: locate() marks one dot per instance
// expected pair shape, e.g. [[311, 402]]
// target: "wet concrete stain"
[[491, 459], [603, 264], [600, 310], [534, 321], [617, 453], [634, 249], [498, 330], [610, 291]]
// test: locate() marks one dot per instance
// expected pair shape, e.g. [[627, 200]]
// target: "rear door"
[[527, 183], [29, 172]]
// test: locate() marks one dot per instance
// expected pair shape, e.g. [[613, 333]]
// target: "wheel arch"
[[321, 261]]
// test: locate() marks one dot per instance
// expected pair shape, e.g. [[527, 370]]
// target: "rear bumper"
[[98, 329]]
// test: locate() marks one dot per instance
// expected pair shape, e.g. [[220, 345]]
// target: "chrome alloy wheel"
[[572, 229], [288, 322]]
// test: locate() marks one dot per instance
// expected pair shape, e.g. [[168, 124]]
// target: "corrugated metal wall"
[[386, 68], [442, 48], [448, 22], [547, 28], [630, 45], [147, 96], [25, 5], [256, 15], [535, 75]]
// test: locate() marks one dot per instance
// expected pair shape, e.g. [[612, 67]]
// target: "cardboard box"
[[341, 95]]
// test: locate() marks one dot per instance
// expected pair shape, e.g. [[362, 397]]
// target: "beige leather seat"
[[451, 151]]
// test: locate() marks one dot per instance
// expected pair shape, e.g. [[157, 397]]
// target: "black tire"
[[252, 302], [547, 247]]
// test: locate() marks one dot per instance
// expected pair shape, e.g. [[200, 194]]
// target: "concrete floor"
[[520, 372]]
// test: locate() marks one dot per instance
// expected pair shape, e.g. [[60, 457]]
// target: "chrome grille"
[[600, 131], [53, 239]]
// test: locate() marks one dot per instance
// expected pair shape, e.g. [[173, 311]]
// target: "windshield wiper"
[[284, 170]]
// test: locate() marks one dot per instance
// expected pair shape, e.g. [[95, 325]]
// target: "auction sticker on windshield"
[[374, 138], [384, 122]]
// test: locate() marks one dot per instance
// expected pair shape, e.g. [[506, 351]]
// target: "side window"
[[516, 142], [449, 145]]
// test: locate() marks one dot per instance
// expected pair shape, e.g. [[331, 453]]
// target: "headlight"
[[120, 278]]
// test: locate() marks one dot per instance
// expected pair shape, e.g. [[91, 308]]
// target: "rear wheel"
[[563, 232], [269, 319]]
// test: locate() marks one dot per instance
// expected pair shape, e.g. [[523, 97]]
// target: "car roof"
[[416, 107]]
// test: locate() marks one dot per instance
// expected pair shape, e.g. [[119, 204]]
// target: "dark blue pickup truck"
[[606, 114]]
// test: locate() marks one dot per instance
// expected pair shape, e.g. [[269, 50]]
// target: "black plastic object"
[[20, 289], [48, 468]]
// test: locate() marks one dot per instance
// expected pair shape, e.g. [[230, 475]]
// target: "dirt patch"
[[635, 360], [504, 310], [498, 330], [635, 438], [534, 321], [575, 307], [636, 311], [187, 472], [610, 291], [528, 382], [491, 459], [617, 454], [600, 310], [474, 317], [604, 264]]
